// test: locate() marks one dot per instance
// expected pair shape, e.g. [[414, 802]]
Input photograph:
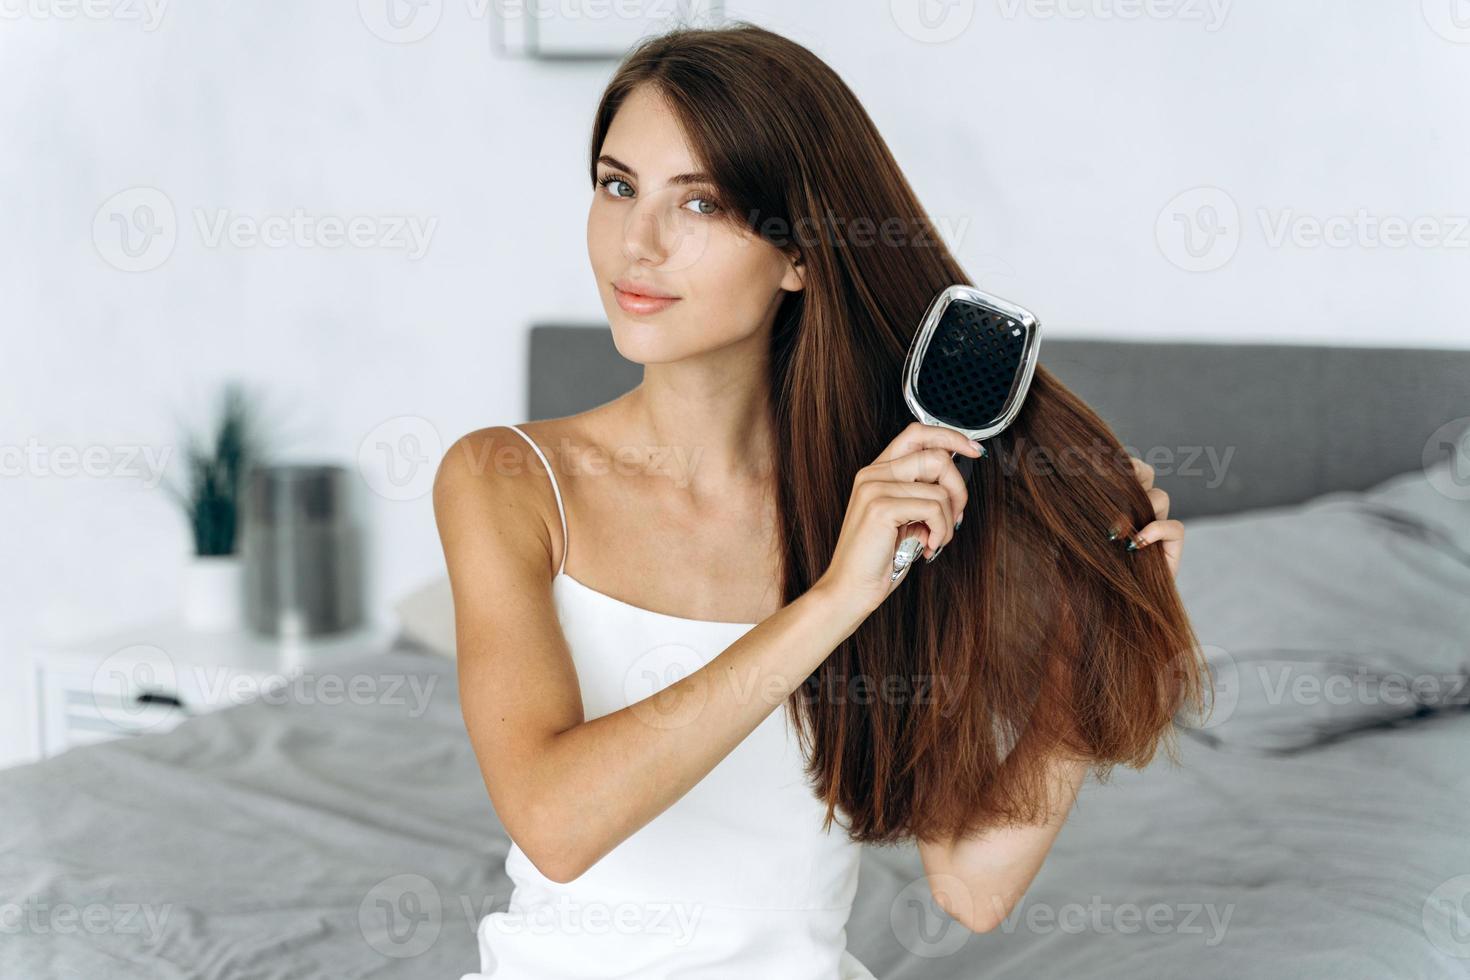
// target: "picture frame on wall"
[[589, 30]]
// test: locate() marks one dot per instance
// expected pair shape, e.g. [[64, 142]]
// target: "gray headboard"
[[1226, 426]]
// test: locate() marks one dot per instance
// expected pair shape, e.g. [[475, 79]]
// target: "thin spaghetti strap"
[[560, 510]]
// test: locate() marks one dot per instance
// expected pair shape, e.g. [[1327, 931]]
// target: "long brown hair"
[[1032, 621]]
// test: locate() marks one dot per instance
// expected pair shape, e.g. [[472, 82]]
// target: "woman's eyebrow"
[[680, 179]]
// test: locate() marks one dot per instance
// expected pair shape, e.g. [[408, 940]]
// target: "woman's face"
[[654, 227]]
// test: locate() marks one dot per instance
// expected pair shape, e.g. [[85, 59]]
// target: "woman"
[[731, 524]]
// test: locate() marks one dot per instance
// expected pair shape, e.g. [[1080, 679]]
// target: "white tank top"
[[735, 879]]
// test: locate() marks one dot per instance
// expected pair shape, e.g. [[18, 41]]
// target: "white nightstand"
[[151, 677]]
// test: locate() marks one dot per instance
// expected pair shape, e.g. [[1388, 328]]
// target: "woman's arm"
[[977, 881], [569, 790]]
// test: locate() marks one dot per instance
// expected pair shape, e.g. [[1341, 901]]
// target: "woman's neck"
[[719, 426]]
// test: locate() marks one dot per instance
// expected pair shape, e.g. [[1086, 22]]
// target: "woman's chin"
[[645, 341]]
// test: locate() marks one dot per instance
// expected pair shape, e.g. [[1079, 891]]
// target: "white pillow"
[[427, 615]]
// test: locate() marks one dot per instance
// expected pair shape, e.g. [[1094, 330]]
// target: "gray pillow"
[[1347, 611]]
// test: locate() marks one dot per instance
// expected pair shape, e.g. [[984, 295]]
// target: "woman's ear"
[[795, 278]]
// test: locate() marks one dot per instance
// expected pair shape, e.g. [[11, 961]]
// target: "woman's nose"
[[644, 234]]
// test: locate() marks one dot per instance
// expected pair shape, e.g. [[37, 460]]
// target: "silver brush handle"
[[907, 553]]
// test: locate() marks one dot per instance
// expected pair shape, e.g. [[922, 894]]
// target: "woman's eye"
[[609, 181], [700, 200]]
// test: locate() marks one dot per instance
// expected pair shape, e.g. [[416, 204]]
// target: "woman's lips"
[[642, 305]]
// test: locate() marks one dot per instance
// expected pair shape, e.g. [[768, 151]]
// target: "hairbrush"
[[968, 369]]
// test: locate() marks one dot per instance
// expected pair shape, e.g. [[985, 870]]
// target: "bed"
[[1301, 835]]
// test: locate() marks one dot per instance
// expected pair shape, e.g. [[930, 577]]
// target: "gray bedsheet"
[[248, 843], [307, 839]]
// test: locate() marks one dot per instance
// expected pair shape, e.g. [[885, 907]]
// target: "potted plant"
[[212, 499]]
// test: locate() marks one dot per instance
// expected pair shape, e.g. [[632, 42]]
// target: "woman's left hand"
[[1170, 533]]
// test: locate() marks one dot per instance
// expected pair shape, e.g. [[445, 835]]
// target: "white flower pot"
[[214, 593]]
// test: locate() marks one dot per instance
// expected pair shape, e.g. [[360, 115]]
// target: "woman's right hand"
[[913, 481]]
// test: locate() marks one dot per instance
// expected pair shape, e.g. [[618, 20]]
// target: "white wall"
[[1054, 138]]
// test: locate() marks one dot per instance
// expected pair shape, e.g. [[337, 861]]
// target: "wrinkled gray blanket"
[[356, 840]]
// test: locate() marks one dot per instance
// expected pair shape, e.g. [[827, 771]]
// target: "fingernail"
[[1114, 533], [1133, 544], [933, 556], [959, 522], [974, 444]]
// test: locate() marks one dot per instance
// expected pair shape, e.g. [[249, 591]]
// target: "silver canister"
[[302, 548]]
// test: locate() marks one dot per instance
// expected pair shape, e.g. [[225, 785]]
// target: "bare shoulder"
[[483, 459], [492, 482], [481, 494]]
